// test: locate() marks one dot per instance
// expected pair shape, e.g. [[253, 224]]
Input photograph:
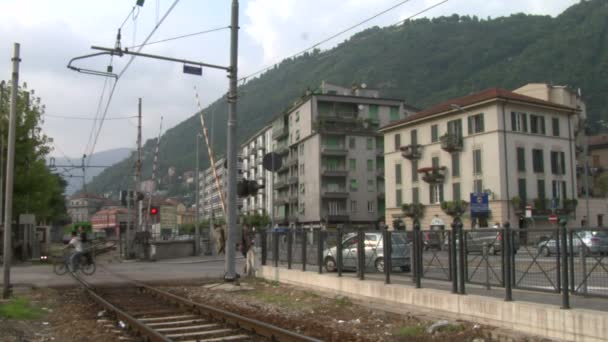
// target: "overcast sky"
[[53, 32]]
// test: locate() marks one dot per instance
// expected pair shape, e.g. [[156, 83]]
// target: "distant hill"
[[424, 61], [109, 158]]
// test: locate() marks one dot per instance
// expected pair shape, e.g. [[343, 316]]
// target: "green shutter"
[[394, 113]]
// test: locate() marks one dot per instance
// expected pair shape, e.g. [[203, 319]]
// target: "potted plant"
[[433, 174], [517, 204], [413, 210], [454, 208]]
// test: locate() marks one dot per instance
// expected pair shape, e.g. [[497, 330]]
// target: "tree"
[[36, 189], [602, 184]]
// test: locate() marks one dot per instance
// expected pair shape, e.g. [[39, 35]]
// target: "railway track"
[[151, 314]]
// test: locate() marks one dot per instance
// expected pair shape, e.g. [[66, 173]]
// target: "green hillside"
[[423, 62]]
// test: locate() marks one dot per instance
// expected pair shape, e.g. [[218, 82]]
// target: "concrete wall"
[[531, 318], [160, 250]]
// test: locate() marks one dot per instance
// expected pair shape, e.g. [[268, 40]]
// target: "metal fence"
[[565, 261]]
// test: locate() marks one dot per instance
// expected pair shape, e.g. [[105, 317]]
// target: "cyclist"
[[77, 244], [85, 245]]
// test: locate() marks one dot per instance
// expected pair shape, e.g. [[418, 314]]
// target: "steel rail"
[[254, 326]]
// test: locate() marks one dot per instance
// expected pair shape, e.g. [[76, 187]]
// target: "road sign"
[[479, 204], [553, 218], [272, 161], [193, 70], [553, 203]]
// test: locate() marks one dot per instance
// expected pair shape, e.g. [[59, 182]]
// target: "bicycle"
[[62, 266]]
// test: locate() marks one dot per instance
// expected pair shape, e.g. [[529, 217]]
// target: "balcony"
[[411, 152], [334, 171], [381, 194], [380, 173], [334, 193], [336, 216], [380, 152], [283, 168], [433, 175], [281, 200], [334, 150], [342, 125], [293, 161], [282, 149], [293, 198], [451, 143], [293, 180], [280, 184], [279, 132]]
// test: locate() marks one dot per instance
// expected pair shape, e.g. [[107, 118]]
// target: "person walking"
[[247, 248], [220, 238]]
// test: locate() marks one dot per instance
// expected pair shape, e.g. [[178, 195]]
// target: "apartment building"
[[81, 207], [210, 200], [332, 156], [252, 152], [506, 144]]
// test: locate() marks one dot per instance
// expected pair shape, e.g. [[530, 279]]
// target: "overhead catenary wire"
[[182, 36], [67, 117]]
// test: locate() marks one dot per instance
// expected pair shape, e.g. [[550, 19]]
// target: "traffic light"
[[246, 188], [153, 211]]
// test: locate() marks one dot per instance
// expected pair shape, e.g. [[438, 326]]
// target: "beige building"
[[252, 152], [332, 156], [496, 141], [81, 207]]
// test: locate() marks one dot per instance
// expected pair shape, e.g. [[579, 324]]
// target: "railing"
[[411, 152], [563, 261], [334, 150], [451, 142], [334, 192], [279, 132]]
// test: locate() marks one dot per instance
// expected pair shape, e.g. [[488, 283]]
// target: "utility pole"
[[197, 228], [2, 85], [10, 164], [232, 145], [138, 169], [84, 175]]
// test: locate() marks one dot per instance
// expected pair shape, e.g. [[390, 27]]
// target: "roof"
[[598, 140], [112, 211], [86, 195], [485, 95]]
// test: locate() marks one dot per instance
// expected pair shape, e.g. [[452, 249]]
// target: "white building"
[[252, 152], [210, 199]]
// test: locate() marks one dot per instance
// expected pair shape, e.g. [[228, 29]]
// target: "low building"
[[113, 222], [517, 149], [80, 207]]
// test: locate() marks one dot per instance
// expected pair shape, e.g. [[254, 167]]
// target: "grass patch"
[[271, 298], [342, 301], [453, 328], [410, 331], [20, 308]]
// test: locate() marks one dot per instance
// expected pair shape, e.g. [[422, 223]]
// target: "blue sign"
[[479, 204], [554, 203]]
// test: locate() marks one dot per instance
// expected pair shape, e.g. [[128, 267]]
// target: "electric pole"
[[2, 84], [138, 168], [10, 164], [84, 175], [232, 145]]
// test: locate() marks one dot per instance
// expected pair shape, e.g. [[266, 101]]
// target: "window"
[[478, 186], [353, 185], [297, 116], [414, 170], [370, 143], [302, 209], [415, 195], [370, 165], [558, 163], [436, 193], [455, 127], [435, 162], [414, 137], [476, 162], [398, 198], [476, 124], [394, 114], [370, 185], [521, 159], [373, 112], [351, 143], [434, 133], [397, 173], [397, 141], [302, 190], [558, 189], [521, 187], [456, 191], [540, 188], [371, 206], [537, 161], [301, 149], [455, 164], [301, 169], [555, 124], [297, 134], [537, 124], [353, 206], [519, 122], [352, 164]]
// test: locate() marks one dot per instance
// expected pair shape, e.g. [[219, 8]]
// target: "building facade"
[[113, 221], [252, 152], [80, 207], [517, 148], [332, 156], [210, 200]]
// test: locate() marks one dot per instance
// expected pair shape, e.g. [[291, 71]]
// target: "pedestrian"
[[86, 247], [220, 238], [247, 244]]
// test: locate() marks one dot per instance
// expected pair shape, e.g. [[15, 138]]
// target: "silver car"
[[374, 252], [595, 242]]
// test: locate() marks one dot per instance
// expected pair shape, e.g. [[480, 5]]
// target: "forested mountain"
[[423, 61]]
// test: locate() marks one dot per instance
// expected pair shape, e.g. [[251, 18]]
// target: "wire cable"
[[182, 36], [83, 118]]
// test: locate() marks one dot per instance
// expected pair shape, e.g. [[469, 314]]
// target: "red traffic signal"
[[153, 211]]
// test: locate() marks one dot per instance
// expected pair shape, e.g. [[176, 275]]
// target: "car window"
[[349, 243], [371, 237], [602, 234]]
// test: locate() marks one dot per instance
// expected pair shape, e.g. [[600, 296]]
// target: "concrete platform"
[[532, 318]]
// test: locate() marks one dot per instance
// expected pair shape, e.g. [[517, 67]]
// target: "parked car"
[[374, 252], [595, 242], [433, 239], [491, 237]]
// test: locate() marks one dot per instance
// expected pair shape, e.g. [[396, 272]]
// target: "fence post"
[[339, 252], [289, 247], [417, 254], [452, 257], [304, 244], [507, 253], [564, 250], [264, 246], [275, 248], [461, 256], [361, 254], [386, 247], [320, 251]]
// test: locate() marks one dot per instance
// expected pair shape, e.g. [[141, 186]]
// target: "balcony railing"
[[433, 175], [334, 150], [336, 216], [281, 183], [281, 200], [451, 142], [342, 125], [335, 171], [334, 192], [292, 180], [380, 173], [279, 132], [292, 161], [293, 198], [282, 149], [411, 152]]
